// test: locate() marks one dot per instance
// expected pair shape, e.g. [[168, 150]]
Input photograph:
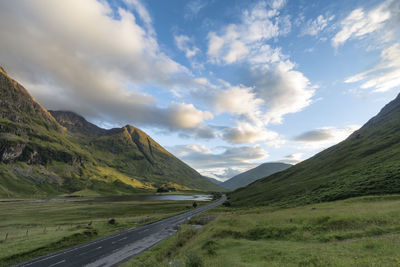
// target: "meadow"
[[362, 231], [30, 228]]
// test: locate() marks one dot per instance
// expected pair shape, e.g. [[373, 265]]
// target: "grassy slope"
[[54, 225], [39, 157], [133, 152], [368, 162], [355, 232]]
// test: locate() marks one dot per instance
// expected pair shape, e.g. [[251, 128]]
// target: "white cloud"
[[385, 75], [80, 56], [359, 23], [186, 44], [143, 13], [313, 27], [193, 8], [203, 158], [273, 88], [293, 158], [245, 132], [238, 100], [283, 89], [186, 116], [258, 24], [324, 137]]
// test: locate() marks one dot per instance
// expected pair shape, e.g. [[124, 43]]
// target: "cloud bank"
[[84, 56]]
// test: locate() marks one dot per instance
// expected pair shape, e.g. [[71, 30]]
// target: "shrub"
[[211, 247], [193, 260], [227, 204]]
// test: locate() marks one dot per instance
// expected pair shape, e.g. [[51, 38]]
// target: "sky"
[[224, 85]]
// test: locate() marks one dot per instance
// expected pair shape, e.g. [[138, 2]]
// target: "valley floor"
[[30, 228], [362, 231]]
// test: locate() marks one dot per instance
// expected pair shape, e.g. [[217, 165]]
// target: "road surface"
[[117, 248]]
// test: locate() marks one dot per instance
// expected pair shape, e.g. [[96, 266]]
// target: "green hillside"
[[43, 153], [254, 174], [366, 163]]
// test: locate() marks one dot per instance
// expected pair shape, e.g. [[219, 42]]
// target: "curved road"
[[117, 248]]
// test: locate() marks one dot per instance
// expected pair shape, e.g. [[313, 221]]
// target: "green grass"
[[35, 228], [362, 231]]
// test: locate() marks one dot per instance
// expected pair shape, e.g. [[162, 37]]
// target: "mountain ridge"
[[60, 152]]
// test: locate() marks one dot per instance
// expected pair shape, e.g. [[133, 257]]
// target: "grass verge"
[[362, 231]]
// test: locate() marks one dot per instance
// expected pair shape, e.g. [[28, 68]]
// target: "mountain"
[[215, 181], [366, 163], [46, 153], [254, 174]]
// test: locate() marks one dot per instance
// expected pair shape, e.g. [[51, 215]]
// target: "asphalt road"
[[117, 248]]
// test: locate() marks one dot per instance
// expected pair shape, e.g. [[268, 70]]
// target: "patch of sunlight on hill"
[[111, 175]]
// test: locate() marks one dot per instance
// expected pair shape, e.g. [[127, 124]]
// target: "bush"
[[211, 247], [227, 204], [193, 260]]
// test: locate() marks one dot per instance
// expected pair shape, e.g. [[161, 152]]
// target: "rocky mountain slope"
[[366, 163], [49, 153], [254, 174]]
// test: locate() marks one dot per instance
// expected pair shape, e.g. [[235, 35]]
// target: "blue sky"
[[224, 85]]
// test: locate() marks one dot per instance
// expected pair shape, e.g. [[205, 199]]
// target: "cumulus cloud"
[[315, 135], [237, 99], [283, 89], [222, 162], [245, 132], [202, 158], [258, 24], [272, 87], [324, 137], [360, 23], [313, 27], [293, 158], [185, 44], [81, 56]]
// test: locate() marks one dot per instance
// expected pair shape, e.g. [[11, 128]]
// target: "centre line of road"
[[57, 263]]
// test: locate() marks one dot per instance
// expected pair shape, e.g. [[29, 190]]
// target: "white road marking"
[[57, 263]]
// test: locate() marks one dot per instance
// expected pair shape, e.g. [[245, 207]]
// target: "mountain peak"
[[76, 123], [13, 96]]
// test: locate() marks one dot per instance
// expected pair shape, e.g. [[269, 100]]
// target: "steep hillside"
[[132, 152], [254, 174], [43, 153], [366, 163]]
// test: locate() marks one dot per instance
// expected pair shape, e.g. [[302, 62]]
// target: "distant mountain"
[[254, 174], [366, 163], [215, 181], [49, 153]]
